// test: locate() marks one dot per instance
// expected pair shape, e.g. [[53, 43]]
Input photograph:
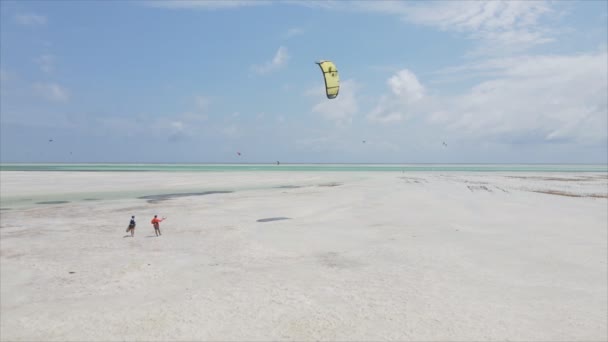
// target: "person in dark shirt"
[[131, 226]]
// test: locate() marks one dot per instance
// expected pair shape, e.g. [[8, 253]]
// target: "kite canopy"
[[332, 80]]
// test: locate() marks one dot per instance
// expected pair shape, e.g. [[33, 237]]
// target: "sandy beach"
[[340, 256]]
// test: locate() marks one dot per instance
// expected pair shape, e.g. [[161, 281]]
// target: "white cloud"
[[202, 102], [542, 97], [177, 126], [175, 130], [314, 143], [204, 4], [500, 26], [471, 16], [383, 113], [46, 63], [194, 116], [292, 32], [52, 91], [231, 131], [528, 99], [323, 4], [345, 142], [382, 145], [405, 84], [331, 142], [405, 91], [278, 61], [341, 109], [30, 19]]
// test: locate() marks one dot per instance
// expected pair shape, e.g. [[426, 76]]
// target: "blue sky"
[[199, 81]]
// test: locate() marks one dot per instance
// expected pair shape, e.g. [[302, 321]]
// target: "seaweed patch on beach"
[[474, 188], [132, 209], [483, 186], [414, 180], [331, 184], [270, 219], [556, 179], [569, 194], [288, 187], [165, 197], [10, 254], [53, 202], [335, 260]]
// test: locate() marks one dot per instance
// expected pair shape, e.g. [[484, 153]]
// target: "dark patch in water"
[[91, 199], [289, 187], [5, 208], [165, 197], [273, 219], [53, 202]]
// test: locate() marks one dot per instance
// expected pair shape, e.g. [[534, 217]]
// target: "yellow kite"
[[332, 80]]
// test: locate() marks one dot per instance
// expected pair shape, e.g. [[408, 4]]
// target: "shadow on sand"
[[273, 219]]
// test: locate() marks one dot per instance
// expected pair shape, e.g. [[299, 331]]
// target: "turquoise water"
[[308, 167], [54, 199]]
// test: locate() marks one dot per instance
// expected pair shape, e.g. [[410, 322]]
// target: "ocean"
[[103, 167]]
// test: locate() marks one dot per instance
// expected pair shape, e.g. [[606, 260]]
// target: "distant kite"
[[444, 144]]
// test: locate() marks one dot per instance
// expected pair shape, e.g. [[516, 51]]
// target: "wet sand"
[[304, 256]]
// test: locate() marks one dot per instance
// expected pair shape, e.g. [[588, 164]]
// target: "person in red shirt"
[[155, 222]]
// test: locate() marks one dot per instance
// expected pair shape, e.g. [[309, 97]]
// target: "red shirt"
[[156, 220]]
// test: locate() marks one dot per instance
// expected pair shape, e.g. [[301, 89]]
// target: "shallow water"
[[307, 167]]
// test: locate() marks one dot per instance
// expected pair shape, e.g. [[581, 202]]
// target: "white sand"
[[378, 256]]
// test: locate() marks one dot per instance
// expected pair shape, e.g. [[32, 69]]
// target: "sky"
[[199, 81]]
